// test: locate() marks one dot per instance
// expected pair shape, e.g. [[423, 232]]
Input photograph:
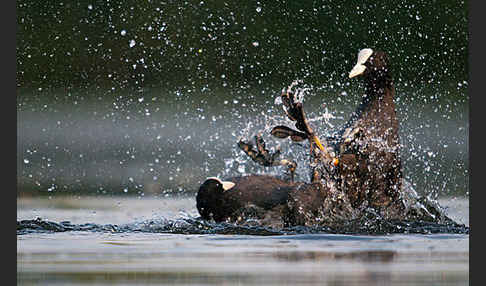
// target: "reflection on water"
[[364, 256], [245, 260]]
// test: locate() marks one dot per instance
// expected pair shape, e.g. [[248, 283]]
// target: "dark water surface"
[[141, 241]]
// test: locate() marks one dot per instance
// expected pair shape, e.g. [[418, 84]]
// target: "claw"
[[283, 132], [323, 160], [263, 157]]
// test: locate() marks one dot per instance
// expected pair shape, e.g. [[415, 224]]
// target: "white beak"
[[359, 68], [226, 184]]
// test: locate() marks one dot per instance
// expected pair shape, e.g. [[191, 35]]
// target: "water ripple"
[[199, 226]]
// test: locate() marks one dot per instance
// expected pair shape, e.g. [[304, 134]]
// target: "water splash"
[[321, 119]]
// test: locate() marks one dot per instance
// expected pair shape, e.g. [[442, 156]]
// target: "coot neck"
[[378, 111], [377, 86], [379, 91]]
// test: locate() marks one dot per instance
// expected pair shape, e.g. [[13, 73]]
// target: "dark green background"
[[77, 44]]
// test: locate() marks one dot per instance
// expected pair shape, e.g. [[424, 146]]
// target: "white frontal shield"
[[359, 68], [226, 184]]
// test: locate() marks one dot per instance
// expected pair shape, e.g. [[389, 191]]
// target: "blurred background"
[[148, 98]]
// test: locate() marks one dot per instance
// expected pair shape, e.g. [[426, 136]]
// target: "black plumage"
[[369, 145], [260, 191]]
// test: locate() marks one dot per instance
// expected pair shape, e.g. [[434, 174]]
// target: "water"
[[140, 256]]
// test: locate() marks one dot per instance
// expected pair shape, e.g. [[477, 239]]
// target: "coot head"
[[209, 196], [371, 64]]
